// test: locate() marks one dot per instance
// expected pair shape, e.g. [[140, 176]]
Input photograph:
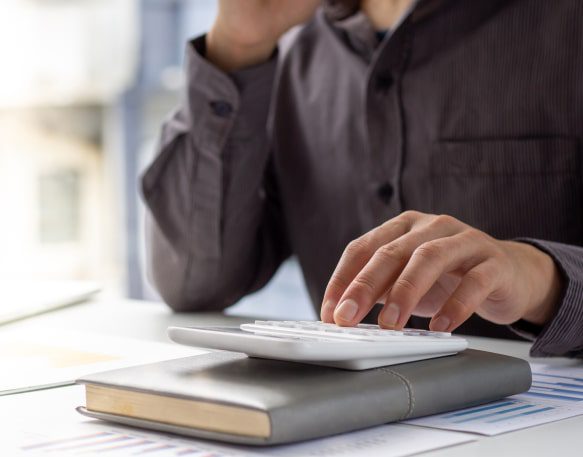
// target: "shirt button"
[[221, 108], [385, 192], [384, 82]]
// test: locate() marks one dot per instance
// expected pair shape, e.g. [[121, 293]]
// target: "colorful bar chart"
[[556, 393], [556, 387], [496, 412]]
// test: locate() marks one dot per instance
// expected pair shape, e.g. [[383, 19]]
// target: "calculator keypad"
[[326, 331]]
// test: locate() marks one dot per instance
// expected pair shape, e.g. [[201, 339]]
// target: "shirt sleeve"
[[563, 334], [213, 227]]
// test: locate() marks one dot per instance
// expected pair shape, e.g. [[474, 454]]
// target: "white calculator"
[[353, 348]]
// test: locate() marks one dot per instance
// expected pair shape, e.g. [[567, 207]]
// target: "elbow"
[[168, 271], [171, 293], [187, 284], [179, 304], [182, 292]]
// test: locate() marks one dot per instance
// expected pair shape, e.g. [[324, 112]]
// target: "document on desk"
[[46, 422], [556, 393], [53, 357], [22, 299]]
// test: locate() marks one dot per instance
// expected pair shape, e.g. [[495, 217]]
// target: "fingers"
[[474, 289], [408, 257], [430, 261], [381, 271], [355, 257]]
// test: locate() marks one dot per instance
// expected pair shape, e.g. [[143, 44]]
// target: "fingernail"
[[390, 315], [347, 310], [441, 324]]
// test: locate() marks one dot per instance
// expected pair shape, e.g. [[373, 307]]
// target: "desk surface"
[[145, 320]]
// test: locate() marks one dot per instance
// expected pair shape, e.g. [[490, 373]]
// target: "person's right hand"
[[246, 32]]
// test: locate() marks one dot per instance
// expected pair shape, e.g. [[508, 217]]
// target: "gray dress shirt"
[[469, 108]]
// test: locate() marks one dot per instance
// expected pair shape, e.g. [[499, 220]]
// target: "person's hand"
[[439, 267], [245, 32]]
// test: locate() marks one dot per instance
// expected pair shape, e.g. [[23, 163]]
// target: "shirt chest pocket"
[[511, 188]]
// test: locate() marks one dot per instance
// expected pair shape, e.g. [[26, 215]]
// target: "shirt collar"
[[359, 32], [361, 35]]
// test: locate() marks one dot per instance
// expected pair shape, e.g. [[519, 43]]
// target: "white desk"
[[149, 321]]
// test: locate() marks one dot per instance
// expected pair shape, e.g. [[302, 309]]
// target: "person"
[[424, 155]]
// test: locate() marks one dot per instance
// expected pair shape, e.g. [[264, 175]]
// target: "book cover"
[[231, 397]]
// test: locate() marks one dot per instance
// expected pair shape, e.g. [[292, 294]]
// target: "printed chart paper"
[[556, 393], [391, 440], [96, 439], [384, 441]]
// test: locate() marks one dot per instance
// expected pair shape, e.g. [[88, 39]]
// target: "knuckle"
[[474, 236], [409, 216], [443, 220], [431, 251], [359, 247], [404, 287], [363, 284], [462, 307], [392, 253], [479, 279], [337, 282]]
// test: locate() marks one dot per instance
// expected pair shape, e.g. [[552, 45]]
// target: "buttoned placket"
[[385, 124]]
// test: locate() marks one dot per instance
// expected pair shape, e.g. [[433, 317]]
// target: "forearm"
[[209, 171]]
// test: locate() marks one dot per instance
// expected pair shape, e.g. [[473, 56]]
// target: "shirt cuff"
[[215, 99], [563, 334], [525, 329], [225, 110]]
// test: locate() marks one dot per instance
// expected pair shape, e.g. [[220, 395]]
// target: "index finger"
[[356, 256]]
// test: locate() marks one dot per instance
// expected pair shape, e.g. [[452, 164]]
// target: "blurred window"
[[59, 206], [84, 87]]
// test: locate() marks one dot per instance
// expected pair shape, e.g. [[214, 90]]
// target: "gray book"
[[230, 397]]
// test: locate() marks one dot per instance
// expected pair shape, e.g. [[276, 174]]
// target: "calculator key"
[[327, 331], [371, 326]]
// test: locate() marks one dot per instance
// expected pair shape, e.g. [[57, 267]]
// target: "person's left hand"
[[439, 267]]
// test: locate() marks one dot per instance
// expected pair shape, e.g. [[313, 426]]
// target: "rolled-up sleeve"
[[212, 227]]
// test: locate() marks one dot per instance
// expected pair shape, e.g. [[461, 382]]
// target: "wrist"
[[230, 53], [546, 287]]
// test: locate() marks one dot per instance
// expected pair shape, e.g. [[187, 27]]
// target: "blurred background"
[[84, 87]]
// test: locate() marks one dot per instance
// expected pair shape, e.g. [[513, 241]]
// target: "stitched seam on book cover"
[[408, 386]]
